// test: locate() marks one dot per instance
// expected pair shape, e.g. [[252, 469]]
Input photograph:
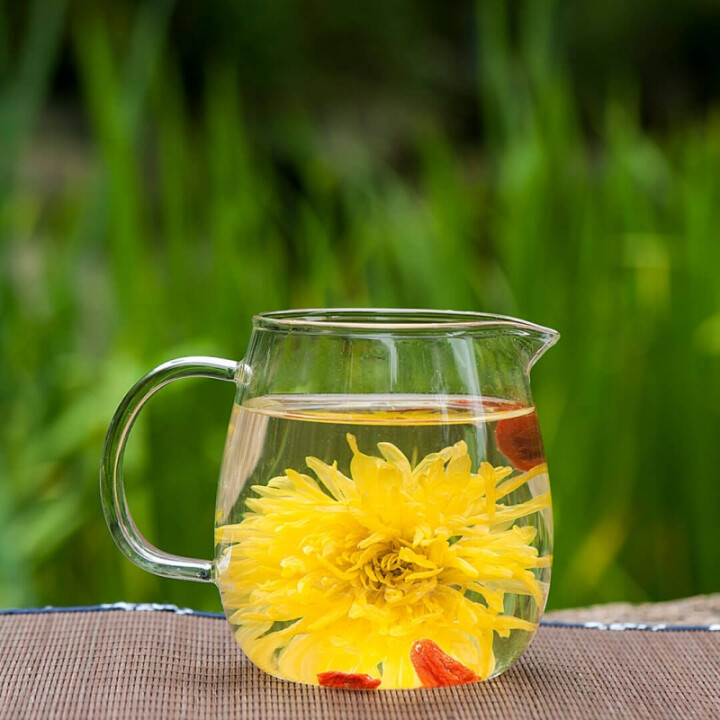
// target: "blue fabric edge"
[[617, 626], [158, 607], [108, 607]]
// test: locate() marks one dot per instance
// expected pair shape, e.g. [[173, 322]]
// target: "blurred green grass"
[[183, 227]]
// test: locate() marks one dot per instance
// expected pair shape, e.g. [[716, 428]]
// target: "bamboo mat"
[[121, 662]]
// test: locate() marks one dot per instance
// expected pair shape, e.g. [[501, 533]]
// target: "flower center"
[[394, 572]]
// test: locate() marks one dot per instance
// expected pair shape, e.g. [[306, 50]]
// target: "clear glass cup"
[[383, 511]]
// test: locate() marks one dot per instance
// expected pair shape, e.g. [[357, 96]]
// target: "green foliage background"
[[185, 223]]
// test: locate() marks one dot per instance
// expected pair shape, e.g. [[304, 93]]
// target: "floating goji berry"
[[352, 681], [519, 440], [436, 668]]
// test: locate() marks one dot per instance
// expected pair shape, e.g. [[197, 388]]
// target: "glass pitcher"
[[383, 512]]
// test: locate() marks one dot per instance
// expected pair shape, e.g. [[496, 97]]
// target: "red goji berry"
[[436, 668], [353, 681], [519, 440]]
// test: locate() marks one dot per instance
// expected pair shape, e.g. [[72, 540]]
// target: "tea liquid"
[[383, 540]]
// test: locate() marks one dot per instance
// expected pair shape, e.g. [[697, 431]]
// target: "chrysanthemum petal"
[[395, 456], [340, 487]]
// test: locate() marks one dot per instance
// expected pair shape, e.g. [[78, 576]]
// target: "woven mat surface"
[[117, 664], [698, 610]]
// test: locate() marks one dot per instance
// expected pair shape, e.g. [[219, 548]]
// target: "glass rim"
[[387, 320]]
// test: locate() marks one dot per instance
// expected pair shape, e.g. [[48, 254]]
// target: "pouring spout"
[[537, 339]]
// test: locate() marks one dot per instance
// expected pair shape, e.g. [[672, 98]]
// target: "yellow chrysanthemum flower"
[[346, 573]]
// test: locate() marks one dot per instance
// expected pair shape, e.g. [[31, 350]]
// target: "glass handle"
[[112, 491]]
